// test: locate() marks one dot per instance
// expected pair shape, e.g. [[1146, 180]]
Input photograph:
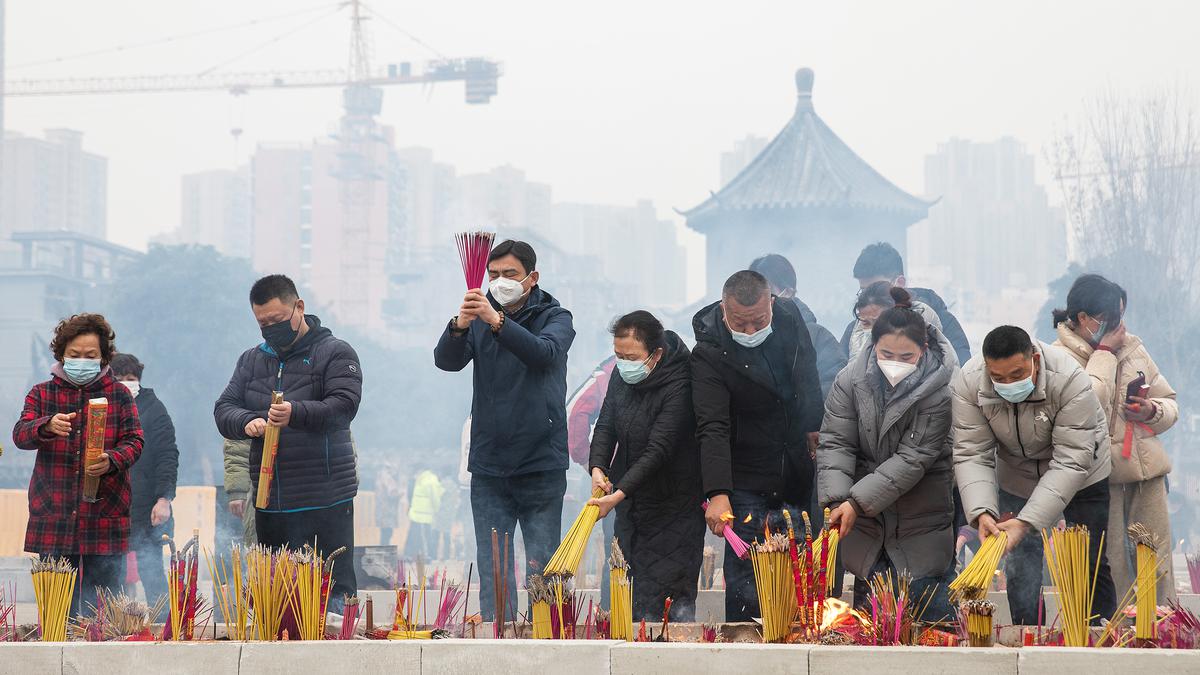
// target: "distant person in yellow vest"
[[426, 500]]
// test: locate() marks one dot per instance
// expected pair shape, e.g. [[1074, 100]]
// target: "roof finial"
[[804, 87]]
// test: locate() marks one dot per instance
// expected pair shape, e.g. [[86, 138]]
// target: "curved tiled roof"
[[808, 166]]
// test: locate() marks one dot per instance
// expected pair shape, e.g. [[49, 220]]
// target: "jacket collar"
[[316, 333], [710, 328], [1082, 350], [96, 384]]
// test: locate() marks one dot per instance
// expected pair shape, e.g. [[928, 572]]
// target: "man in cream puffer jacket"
[[1030, 438]]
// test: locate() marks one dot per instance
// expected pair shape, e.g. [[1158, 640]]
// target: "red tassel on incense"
[[473, 250]]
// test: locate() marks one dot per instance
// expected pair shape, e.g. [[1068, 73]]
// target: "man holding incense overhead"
[[517, 335], [1031, 439], [758, 403], [311, 498]]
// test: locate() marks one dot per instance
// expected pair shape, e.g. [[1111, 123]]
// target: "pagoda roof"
[[806, 166]]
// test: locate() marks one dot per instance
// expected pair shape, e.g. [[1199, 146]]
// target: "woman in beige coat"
[[1091, 329]]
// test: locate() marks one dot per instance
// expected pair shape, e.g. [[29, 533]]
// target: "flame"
[[748, 517], [838, 614], [726, 517]]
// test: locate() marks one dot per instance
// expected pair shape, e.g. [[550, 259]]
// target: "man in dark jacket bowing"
[[758, 406], [518, 336], [152, 479], [311, 498]]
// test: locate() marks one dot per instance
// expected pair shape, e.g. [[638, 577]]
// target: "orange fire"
[[748, 518], [726, 517], [840, 615]]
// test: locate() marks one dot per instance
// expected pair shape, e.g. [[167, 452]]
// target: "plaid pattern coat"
[[60, 522]]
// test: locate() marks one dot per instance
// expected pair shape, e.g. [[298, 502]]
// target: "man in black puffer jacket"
[[758, 406], [311, 498]]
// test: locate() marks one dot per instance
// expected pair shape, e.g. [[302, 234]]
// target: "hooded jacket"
[[518, 408], [154, 475], [891, 455], [1111, 375], [945, 321], [321, 377], [1044, 449], [752, 437]]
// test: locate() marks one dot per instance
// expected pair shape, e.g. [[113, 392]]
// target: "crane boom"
[[480, 76]]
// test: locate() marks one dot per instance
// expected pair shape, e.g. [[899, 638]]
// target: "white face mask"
[[507, 291], [133, 387], [896, 371]]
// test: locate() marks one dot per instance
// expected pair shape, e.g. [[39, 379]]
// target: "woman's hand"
[[600, 481], [1115, 338], [100, 466], [1140, 410], [843, 518], [608, 502], [60, 424]]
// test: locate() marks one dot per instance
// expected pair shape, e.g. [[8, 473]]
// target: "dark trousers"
[[95, 571], [741, 595], [534, 501], [326, 530], [1023, 565], [931, 594]]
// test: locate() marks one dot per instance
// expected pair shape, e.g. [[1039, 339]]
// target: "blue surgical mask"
[[633, 371], [1015, 392], [81, 371], [752, 340]]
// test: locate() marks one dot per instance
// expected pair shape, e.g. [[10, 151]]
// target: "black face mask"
[[280, 336]]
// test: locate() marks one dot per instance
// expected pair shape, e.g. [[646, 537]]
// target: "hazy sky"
[[607, 102]]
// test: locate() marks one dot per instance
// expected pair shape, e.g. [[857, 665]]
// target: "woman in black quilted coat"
[[644, 455]]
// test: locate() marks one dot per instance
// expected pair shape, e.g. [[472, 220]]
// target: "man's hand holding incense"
[[1016, 529], [466, 313], [256, 428], [718, 506], [280, 414], [99, 467], [986, 525], [843, 518], [477, 304], [608, 502]]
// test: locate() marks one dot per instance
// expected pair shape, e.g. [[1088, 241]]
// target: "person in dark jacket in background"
[[884, 463], [882, 262], [517, 335], [152, 478], [644, 456], [311, 498], [757, 398]]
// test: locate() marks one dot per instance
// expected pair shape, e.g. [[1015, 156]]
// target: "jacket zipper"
[[1017, 426], [275, 472]]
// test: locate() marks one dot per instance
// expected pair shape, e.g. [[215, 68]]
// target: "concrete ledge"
[[515, 656], [923, 660], [31, 658], [1060, 660], [362, 657], [160, 658], [654, 659]]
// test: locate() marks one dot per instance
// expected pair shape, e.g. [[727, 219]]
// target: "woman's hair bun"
[[901, 297]]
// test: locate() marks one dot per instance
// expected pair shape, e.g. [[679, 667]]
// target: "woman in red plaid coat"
[[93, 535]]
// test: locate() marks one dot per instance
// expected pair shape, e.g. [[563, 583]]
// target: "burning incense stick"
[[1147, 581], [53, 588], [776, 586], [975, 580], [1069, 560], [266, 470], [473, 250], [270, 579], [565, 561], [620, 593], [539, 598], [977, 614]]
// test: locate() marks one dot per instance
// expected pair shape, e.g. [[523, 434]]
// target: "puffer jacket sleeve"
[[839, 444], [974, 450], [544, 349], [454, 352], [231, 417], [710, 400], [1079, 430], [237, 469], [920, 448], [1166, 409], [342, 392], [674, 420], [1101, 368], [604, 436]]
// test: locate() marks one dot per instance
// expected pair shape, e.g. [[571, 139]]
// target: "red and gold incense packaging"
[[97, 421], [266, 471]]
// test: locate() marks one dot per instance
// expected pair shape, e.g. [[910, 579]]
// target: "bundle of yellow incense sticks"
[[270, 578], [620, 594], [309, 595], [540, 599], [565, 561], [230, 592], [1069, 561], [975, 580], [978, 616], [1145, 542], [53, 588], [266, 471], [776, 586], [97, 421]]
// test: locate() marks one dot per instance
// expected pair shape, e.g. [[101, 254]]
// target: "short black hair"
[[746, 287], [777, 269], [878, 294], [880, 259], [1007, 341], [520, 250], [642, 326], [126, 364], [273, 286], [1095, 296]]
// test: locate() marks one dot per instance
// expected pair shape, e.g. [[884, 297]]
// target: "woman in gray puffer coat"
[[884, 463]]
